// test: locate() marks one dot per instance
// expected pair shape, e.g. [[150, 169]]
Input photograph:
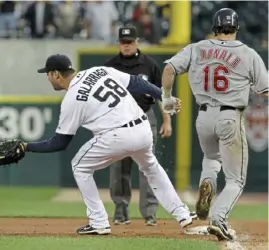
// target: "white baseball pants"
[[109, 147]]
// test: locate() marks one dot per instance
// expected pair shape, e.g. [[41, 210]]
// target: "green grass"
[[98, 243], [77, 210], [36, 202], [27, 193]]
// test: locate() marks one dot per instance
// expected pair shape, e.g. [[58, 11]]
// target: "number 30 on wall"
[[27, 124]]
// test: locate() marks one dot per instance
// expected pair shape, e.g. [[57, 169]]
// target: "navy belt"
[[135, 122], [222, 108]]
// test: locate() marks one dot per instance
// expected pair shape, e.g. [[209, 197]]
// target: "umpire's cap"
[[56, 62], [127, 33], [225, 21]]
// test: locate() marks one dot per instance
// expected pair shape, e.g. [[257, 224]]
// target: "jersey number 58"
[[218, 75], [112, 89]]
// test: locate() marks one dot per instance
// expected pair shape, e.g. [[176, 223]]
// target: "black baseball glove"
[[11, 151]]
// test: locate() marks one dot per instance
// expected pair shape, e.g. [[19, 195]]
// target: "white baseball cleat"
[[185, 222], [193, 215]]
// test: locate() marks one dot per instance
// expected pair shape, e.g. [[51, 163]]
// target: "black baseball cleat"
[[204, 200], [88, 229], [121, 222], [220, 230]]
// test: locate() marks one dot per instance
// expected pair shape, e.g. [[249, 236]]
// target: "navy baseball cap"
[[56, 62], [127, 33]]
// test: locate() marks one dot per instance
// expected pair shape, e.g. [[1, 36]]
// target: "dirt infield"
[[252, 235]]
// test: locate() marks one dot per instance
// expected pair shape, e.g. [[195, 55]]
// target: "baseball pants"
[[112, 146], [223, 141], [120, 184]]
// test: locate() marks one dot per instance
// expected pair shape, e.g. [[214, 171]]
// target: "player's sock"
[[226, 200], [96, 211], [165, 192], [210, 171]]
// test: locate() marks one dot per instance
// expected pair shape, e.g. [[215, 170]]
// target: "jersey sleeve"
[[259, 75], [181, 61], [71, 116], [122, 77]]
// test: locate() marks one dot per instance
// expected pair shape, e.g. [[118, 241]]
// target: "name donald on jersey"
[[90, 80], [220, 54]]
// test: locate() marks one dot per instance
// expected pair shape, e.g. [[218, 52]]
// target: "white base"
[[202, 230]]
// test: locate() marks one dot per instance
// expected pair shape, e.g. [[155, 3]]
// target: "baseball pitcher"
[[221, 72], [98, 100]]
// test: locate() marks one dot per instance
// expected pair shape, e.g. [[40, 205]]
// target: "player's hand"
[[171, 105], [166, 130]]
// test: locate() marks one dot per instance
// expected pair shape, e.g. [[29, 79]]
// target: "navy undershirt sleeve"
[[139, 85], [59, 142]]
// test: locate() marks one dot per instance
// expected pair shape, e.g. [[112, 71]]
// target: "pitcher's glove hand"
[[11, 151]]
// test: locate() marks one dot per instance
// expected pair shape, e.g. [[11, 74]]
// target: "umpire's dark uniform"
[[120, 172]]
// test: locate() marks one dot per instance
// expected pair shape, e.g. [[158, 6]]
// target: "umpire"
[[131, 60]]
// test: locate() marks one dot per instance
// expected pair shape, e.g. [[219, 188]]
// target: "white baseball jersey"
[[221, 72], [98, 100]]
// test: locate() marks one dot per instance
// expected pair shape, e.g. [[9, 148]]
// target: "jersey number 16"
[[111, 89], [220, 81]]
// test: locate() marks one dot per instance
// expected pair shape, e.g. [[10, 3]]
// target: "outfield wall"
[[29, 110]]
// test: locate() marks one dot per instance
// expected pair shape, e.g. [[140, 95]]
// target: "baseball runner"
[[98, 100], [221, 72]]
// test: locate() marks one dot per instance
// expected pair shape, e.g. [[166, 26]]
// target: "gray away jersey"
[[221, 72]]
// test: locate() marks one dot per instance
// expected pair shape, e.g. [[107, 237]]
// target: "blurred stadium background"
[[87, 32]]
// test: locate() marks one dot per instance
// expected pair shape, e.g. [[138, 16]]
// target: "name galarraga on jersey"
[[89, 81]]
